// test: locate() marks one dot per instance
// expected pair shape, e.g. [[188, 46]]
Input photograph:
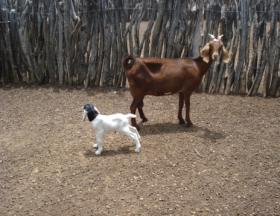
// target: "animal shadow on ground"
[[110, 153], [160, 128], [198, 131], [207, 134]]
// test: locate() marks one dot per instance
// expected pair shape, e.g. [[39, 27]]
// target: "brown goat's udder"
[[162, 93]]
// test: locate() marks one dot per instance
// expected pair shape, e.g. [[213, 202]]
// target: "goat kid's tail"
[[128, 62], [130, 115]]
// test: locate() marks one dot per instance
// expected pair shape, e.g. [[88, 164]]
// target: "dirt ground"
[[227, 164]]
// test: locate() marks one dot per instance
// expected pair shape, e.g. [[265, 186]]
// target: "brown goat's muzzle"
[[215, 56]]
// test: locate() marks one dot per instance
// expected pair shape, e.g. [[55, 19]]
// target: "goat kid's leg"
[[181, 104], [133, 108], [134, 130], [99, 139], [136, 142], [140, 110], [133, 136], [187, 103]]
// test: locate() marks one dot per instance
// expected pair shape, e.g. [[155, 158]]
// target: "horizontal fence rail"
[[82, 42]]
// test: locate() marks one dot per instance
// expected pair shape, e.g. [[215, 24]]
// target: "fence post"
[[242, 47]]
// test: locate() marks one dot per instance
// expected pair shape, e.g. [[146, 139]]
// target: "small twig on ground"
[[197, 152]]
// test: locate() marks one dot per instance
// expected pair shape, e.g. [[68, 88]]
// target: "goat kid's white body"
[[115, 122], [111, 122]]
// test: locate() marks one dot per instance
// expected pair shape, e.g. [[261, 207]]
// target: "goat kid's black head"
[[90, 111]]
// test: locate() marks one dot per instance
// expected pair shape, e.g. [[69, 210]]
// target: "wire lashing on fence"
[[166, 9]]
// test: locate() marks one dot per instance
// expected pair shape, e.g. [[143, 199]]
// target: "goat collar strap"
[[92, 115]]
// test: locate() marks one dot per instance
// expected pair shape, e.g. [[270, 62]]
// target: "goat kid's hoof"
[[95, 145], [137, 150], [98, 153]]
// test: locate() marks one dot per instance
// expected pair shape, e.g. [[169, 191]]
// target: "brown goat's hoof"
[[189, 124], [144, 120], [181, 122]]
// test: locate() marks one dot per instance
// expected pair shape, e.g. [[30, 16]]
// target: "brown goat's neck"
[[202, 65]]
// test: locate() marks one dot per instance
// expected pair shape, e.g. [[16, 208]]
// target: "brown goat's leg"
[[187, 103], [140, 109], [133, 108], [181, 104]]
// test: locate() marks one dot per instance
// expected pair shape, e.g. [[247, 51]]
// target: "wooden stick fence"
[[81, 42]]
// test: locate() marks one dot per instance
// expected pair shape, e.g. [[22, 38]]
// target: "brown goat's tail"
[[128, 62]]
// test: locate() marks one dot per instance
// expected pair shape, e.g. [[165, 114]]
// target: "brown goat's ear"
[[226, 56], [205, 53]]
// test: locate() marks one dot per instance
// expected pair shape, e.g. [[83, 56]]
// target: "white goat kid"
[[115, 122]]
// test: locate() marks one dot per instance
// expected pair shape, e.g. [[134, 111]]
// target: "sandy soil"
[[227, 164]]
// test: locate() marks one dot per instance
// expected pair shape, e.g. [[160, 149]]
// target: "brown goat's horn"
[[212, 36], [220, 37]]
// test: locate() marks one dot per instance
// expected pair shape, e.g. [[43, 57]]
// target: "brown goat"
[[163, 76]]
